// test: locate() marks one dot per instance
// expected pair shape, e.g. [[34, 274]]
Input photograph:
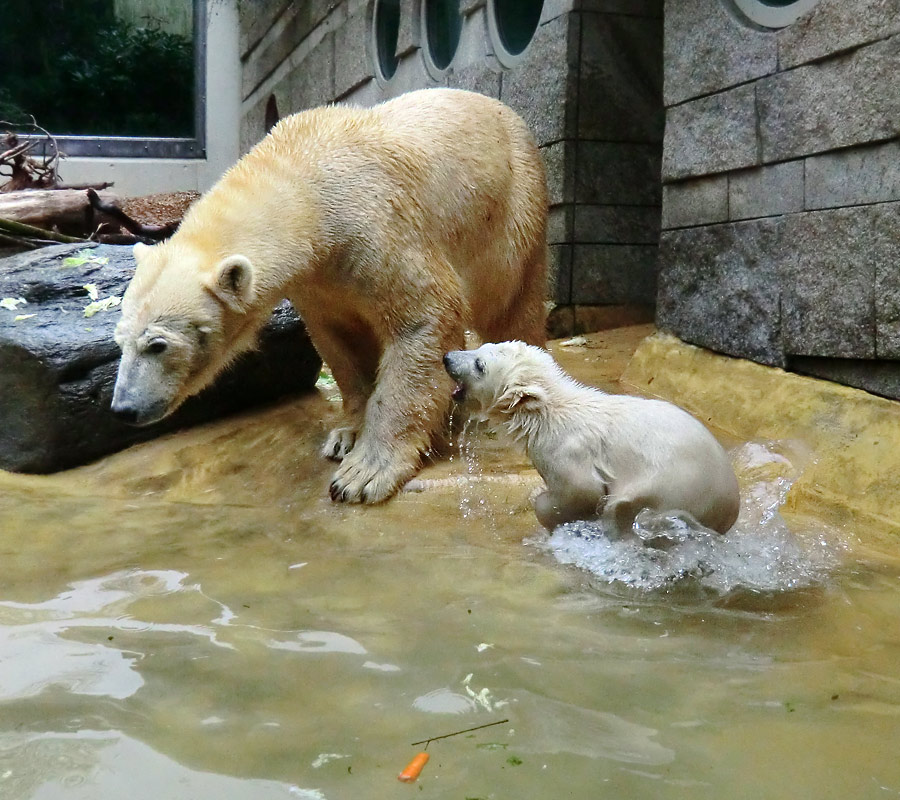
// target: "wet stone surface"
[[58, 360]]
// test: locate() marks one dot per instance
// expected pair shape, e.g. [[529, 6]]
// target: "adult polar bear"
[[392, 230]]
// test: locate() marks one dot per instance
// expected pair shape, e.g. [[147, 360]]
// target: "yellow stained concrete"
[[270, 457], [854, 436]]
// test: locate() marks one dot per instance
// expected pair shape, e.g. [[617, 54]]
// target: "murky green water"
[[192, 619]]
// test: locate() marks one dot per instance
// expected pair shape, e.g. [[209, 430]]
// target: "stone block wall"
[[781, 188], [589, 86]]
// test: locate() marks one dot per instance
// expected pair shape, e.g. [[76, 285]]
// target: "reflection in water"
[[88, 765], [193, 619]]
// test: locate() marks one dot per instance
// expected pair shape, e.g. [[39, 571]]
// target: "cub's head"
[[502, 379], [185, 316]]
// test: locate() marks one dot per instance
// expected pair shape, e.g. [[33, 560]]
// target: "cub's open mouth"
[[458, 393]]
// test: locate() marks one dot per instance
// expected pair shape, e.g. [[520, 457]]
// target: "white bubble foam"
[[759, 553]]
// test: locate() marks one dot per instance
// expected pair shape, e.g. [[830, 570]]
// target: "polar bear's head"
[[184, 318], [504, 378]]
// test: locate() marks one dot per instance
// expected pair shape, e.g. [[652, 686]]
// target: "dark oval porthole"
[[443, 26], [386, 28], [515, 22], [272, 115]]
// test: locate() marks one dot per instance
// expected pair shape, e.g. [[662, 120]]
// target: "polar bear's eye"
[[157, 346], [479, 366]]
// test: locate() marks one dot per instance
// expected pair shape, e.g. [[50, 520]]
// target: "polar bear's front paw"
[[340, 441], [369, 478]]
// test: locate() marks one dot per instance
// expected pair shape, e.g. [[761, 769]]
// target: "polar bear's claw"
[[368, 479], [339, 443]]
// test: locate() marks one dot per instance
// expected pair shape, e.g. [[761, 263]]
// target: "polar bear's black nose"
[[125, 413], [446, 360]]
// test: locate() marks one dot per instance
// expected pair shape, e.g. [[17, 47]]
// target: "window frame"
[[505, 56], [771, 17], [436, 71], [150, 146], [379, 49]]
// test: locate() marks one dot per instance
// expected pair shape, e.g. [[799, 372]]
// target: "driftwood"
[[14, 229], [138, 229], [68, 210], [28, 171]]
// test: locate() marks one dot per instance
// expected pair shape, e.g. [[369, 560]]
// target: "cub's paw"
[[369, 477], [340, 441]]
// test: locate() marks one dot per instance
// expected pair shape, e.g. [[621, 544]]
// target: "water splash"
[[472, 502], [759, 553]]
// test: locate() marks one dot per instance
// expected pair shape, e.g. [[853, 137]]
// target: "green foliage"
[[79, 70]]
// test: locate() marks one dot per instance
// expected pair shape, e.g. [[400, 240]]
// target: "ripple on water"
[[759, 553]]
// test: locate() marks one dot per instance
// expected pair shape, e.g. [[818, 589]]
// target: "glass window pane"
[[99, 67], [517, 20], [387, 28], [443, 25]]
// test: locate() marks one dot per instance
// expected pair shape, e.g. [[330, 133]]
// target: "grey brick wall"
[[781, 188], [589, 86]]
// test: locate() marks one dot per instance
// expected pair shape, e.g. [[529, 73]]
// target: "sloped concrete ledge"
[[854, 479]]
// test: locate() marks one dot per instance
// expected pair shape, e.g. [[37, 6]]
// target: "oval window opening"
[[772, 13], [272, 115], [386, 24], [516, 22], [443, 26]]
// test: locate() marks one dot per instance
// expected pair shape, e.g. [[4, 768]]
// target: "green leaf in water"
[[514, 761]]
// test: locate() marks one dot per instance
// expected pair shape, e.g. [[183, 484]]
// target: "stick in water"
[[414, 768]]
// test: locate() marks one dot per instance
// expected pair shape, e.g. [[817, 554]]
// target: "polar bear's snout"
[[464, 366]]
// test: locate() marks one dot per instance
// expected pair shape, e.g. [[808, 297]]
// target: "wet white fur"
[[601, 455]]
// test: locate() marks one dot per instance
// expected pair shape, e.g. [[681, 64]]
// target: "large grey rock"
[[619, 224], [294, 24], [877, 377], [707, 49], [312, 80], [696, 202], [834, 26], [543, 89], [58, 367], [559, 268], [560, 222], [618, 173], [766, 191], [856, 176], [255, 17], [612, 274], [843, 101], [352, 65], [559, 162], [718, 288], [620, 87], [884, 251], [712, 134], [477, 77], [828, 279]]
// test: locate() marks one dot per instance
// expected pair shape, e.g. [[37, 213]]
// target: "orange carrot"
[[413, 768]]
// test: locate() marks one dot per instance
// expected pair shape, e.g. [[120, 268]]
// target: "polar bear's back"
[[685, 463]]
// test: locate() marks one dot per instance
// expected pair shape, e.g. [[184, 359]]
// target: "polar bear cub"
[[601, 455]]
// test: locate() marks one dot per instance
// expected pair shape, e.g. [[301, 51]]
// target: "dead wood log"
[[68, 210], [21, 229], [139, 229], [17, 242]]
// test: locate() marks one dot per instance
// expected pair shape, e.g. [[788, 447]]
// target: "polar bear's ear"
[[233, 283], [530, 398]]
